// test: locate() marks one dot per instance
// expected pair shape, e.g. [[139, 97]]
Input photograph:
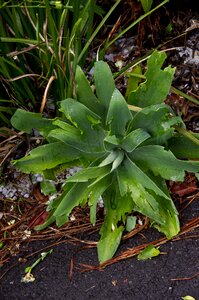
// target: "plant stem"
[[187, 134], [188, 97]]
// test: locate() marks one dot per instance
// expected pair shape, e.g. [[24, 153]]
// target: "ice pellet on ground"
[[22, 186], [26, 196], [101, 202], [4, 191]]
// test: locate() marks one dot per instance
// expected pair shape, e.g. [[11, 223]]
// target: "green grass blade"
[[97, 30], [135, 23]]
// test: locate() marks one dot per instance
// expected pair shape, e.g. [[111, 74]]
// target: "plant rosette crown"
[[125, 154]]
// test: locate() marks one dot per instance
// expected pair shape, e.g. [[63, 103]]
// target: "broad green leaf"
[[46, 157], [150, 117], [158, 121], [118, 160], [149, 252], [66, 126], [117, 205], [146, 4], [96, 192], [89, 173], [184, 147], [104, 84], [27, 121], [79, 115], [118, 114], [133, 172], [84, 92], [69, 200], [134, 139], [149, 199], [171, 226], [130, 223], [107, 246], [74, 139], [48, 187], [133, 80], [69, 136], [142, 200], [188, 298], [87, 122], [156, 87], [110, 158], [116, 208], [163, 162], [111, 142]]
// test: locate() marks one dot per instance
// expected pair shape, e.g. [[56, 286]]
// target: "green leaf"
[[109, 159], [87, 122], [69, 200], [130, 223], [84, 92], [156, 120], [146, 4], [118, 160], [184, 147], [104, 84], [188, 298], [89, 173], [69, 136], [79, 115], [48, 187], [149, 252], [107, 246], [141, 199], [170, 225], [96, 192], [134, 139], [148, 197], [118, 114], [111, 142], [163, 162], [27, 121], [46, 157], [150, 117], [156, 87], [134, 173], [1, 245], [134, 78]]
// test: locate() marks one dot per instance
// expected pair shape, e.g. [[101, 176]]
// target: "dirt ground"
[[129, 279], [171, 275]]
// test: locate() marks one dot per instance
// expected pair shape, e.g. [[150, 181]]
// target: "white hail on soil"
[[21, 186]]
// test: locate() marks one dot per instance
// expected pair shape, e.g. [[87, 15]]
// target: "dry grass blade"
[[46, 93], [136, 230], [25, 50], [22, 76], [11, 141], [186, 278]]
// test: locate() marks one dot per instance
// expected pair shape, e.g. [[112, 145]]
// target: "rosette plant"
[[123, 148]]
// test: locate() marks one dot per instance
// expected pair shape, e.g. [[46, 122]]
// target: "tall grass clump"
[[40, 42]]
